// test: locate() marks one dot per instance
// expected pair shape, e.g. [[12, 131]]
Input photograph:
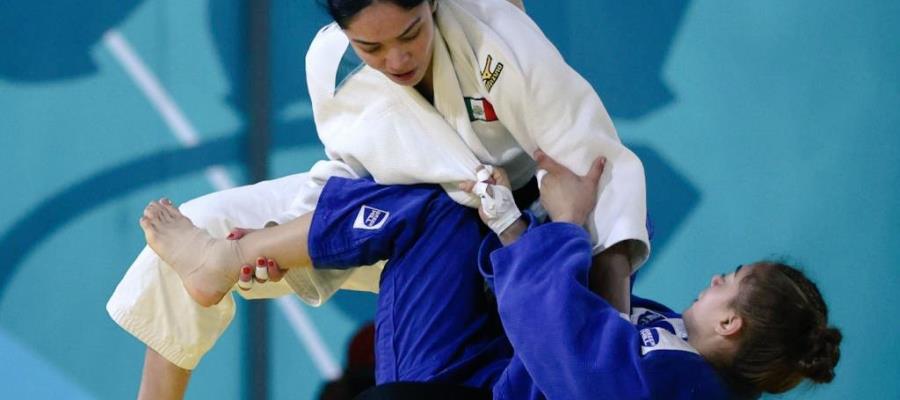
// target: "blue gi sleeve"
[[572, 343]]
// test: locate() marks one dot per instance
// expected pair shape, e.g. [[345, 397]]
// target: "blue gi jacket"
[[570, 343]]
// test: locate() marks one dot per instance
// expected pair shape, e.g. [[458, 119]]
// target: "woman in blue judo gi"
[[761, 328]]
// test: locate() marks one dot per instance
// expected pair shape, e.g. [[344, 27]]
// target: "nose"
[[716, 280], [396, 60]]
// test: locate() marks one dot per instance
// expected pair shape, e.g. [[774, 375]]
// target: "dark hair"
[[786, 337], [342, 11]]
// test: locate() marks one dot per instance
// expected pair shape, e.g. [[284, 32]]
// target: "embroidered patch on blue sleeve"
[[370, 218]]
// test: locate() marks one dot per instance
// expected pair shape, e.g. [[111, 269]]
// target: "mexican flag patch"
[[480, 109]]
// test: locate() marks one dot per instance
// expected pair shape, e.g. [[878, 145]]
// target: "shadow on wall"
[[293, 25], [620, 47], [671, 198], [43, 43], [46, 42]]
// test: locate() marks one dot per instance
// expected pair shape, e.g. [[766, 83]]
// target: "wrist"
[[579, 220], [513, 232]]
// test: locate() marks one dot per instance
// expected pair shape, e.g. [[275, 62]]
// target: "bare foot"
[[208, 267]]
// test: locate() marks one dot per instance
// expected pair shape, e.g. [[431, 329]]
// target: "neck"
[[712, 348], [426, 86], [698, 342]]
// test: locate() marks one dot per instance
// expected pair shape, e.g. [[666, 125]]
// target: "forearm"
[[610, 276], [162, 380]]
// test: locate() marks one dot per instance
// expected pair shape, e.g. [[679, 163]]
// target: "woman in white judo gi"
[[406, 92]]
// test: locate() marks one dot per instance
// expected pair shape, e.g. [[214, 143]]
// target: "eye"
[[410, 37], [370, 49]]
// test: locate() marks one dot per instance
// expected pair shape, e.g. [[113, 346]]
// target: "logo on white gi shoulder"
[[370, 218], [490, 75]]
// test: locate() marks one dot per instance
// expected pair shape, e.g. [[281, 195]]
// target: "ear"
[[729, 325], [434, 5]]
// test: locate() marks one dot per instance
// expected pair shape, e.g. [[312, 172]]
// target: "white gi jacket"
[[501, 91]]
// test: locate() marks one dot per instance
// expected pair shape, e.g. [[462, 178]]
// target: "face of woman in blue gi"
[[713, 314], [395, 41]]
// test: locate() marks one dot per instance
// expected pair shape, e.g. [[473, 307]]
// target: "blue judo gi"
[[435, 324]]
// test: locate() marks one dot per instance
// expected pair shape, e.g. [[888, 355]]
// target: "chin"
[[415, 81], [405, 82]]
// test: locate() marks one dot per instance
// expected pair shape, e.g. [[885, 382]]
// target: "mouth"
[[406, 76]]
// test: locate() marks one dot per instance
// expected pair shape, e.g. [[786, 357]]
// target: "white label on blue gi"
[[653, 339], [649, 337], [370, 218]]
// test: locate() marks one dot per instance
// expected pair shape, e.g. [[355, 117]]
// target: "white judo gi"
[[501, 91]]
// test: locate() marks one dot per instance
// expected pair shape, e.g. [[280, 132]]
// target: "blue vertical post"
[[256, 360]]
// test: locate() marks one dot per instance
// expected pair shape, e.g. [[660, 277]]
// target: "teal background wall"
[[767, 129]]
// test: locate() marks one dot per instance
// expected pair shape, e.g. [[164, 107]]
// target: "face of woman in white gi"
[[395, 41]]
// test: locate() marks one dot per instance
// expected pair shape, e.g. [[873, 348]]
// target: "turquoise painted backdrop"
[[768, 128]]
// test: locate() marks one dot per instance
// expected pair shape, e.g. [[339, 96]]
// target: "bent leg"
[[434, 322]]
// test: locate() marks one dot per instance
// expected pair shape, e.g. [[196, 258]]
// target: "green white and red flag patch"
[[480, 109]]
